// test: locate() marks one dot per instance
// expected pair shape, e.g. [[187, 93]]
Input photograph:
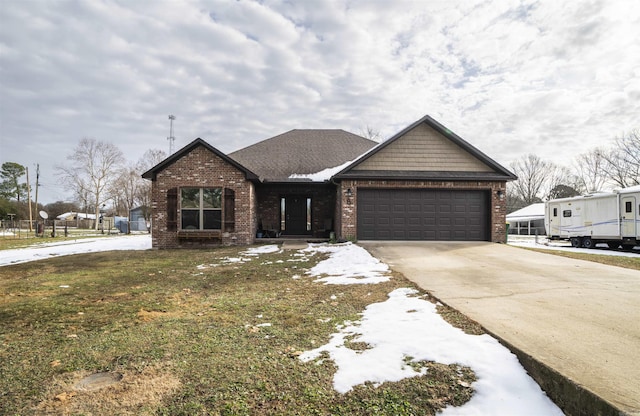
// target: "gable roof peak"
[[151, 173], [445, 132]]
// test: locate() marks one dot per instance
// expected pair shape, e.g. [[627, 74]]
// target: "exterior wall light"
[[349, 194]]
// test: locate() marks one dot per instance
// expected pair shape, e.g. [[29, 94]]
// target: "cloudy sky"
[[554, 78]]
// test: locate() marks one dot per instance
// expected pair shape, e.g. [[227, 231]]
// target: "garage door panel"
[[429, 235], [444, 235], [428, 220], [369, 223], [444, 208], [383, 221], [422, 214], [459, 235], [399, 235], [429, 209], [413, 208], [399, 222], [414, 235]]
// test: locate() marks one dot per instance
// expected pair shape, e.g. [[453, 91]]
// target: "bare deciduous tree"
[[591, 170], [371, 133], [534, 175], [125, 188], [561, 183], [143, 196], [623, 161], [91, 169]]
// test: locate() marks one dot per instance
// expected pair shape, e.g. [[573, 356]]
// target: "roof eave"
[[293, 182], [423, 176]]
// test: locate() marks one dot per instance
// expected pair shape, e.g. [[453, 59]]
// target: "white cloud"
[[511, 77]]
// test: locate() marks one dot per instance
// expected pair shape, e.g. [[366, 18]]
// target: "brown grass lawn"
[[187, 340], [620, 261]]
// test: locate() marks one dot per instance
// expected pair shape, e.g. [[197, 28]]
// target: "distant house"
[[137, 221], [424, 183], [72, 216], [527, 221]]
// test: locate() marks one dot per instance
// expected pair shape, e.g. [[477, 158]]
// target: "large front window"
[[201, 208]]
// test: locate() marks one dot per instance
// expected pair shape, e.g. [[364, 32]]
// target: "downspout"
[[338, 209]]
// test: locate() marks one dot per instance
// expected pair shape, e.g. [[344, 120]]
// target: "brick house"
[[424, 183]]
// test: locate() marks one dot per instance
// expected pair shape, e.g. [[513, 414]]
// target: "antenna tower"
[[171, 138]]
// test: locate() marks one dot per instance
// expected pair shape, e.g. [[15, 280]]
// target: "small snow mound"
[[255, 251], [347, 264]]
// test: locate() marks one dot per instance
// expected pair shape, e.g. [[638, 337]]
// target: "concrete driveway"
[[580, 318]]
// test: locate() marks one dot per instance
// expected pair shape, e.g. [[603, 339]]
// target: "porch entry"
[[295, 215]]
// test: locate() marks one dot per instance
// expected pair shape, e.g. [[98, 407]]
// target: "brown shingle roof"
[[301, 152]]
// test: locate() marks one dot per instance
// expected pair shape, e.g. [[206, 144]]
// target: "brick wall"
[[202, 168], [347, 222]]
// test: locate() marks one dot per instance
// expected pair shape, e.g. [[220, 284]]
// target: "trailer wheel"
[[576, 242], [587, 242]]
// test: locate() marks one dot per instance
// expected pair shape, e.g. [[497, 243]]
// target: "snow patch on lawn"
[[69, 247], [347, 264], [245, 256], [407, 326], [256, 251]]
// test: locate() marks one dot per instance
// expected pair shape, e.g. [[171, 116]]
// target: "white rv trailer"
[[607, 217]]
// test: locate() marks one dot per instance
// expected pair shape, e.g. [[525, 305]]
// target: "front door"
[[629, 217], [553, 216], [297, 215]]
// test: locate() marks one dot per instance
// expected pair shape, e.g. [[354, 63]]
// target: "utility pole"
[[37, 183], [29, 198], [171, 138]]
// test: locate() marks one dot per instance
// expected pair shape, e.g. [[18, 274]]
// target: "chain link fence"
[[59, 228]]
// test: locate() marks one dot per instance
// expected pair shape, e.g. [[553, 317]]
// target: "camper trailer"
[[608, 217]]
